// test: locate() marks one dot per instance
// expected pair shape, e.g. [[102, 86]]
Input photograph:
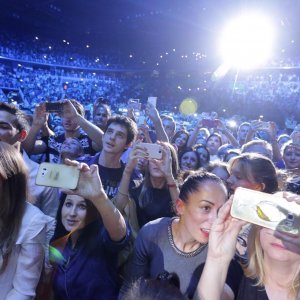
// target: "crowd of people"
[[150, 216]]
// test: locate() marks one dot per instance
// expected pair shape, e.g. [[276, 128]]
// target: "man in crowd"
[[13, 130], [75, 126], [120, 132]]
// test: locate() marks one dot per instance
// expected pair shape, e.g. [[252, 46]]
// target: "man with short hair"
[[242, 133], [120, 132], [13, 130], [73, 122]]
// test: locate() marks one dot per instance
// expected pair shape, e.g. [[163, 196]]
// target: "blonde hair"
[[255, 269]]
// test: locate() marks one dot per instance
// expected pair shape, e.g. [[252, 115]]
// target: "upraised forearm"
[[112, 219], [93, 132]]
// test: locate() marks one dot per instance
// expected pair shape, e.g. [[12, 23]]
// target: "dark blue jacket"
[[89, 271]]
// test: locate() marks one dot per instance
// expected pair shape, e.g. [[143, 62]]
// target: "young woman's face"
[[154, 169], [73, 213], [189, 161], [291, 157], [238, 179], [199, 212], [181, 140], [274, 248], [213, 144], [203, 155]]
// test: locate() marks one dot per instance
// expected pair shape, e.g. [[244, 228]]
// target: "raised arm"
[[31, 145], [193, 137], [233, 141], [90, 187], [153, 114], [166, 168], [122, 196], [275, 147], [93, 132], [221, 248]]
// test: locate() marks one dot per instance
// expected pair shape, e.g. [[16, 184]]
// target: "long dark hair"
[[60, 231]]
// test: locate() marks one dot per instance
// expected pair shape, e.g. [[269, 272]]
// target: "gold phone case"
[[266, 210], [57, 175]]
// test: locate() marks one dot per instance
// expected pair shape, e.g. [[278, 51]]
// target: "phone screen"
[[53, 107]]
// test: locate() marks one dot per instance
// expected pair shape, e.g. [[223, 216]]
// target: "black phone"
[[54, 107]]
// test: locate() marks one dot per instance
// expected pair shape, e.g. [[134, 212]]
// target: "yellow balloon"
[[188, 106]]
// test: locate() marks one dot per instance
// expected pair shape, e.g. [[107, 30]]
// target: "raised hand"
[[291, 242], [165, 164], [137, 152], [152, 112], [89, 185], [40, 116], [223, 234]]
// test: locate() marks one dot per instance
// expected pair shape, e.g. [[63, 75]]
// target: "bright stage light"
[[247, 41]]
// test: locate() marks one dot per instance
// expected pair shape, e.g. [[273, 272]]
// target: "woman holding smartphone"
[[151, 198], [89, 234], [273, 270]]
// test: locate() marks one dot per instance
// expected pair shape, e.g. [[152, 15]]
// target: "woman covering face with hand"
[[89, 234]]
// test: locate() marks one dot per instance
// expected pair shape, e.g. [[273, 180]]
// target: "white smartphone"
[[266, 210], [154, 150], [152, 101], [57, 175]]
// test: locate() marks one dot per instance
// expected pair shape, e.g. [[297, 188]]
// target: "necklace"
[[178, 251]]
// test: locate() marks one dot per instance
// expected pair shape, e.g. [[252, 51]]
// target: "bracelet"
[[170, 185], [122, 194]]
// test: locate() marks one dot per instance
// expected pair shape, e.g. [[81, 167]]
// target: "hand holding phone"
[[135, 104], [54, 107], [152, 101], [266, 210], [154, 150], [57, 175]]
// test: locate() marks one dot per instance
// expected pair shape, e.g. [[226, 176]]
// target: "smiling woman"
[[88, 236]]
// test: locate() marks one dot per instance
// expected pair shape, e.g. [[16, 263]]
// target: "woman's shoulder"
[[155, 227], [33, 222]]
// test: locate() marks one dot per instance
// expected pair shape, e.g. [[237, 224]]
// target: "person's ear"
[[260, 187], [23, 135], [179, 206]]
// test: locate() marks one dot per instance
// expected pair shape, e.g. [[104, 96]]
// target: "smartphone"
[[265, 126], [154, 150], [134, 104], [57, 175], [210, 123], [152, 101], [266, 210], [54, 107]]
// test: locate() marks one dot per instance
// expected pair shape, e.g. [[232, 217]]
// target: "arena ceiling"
[[139, 25]]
